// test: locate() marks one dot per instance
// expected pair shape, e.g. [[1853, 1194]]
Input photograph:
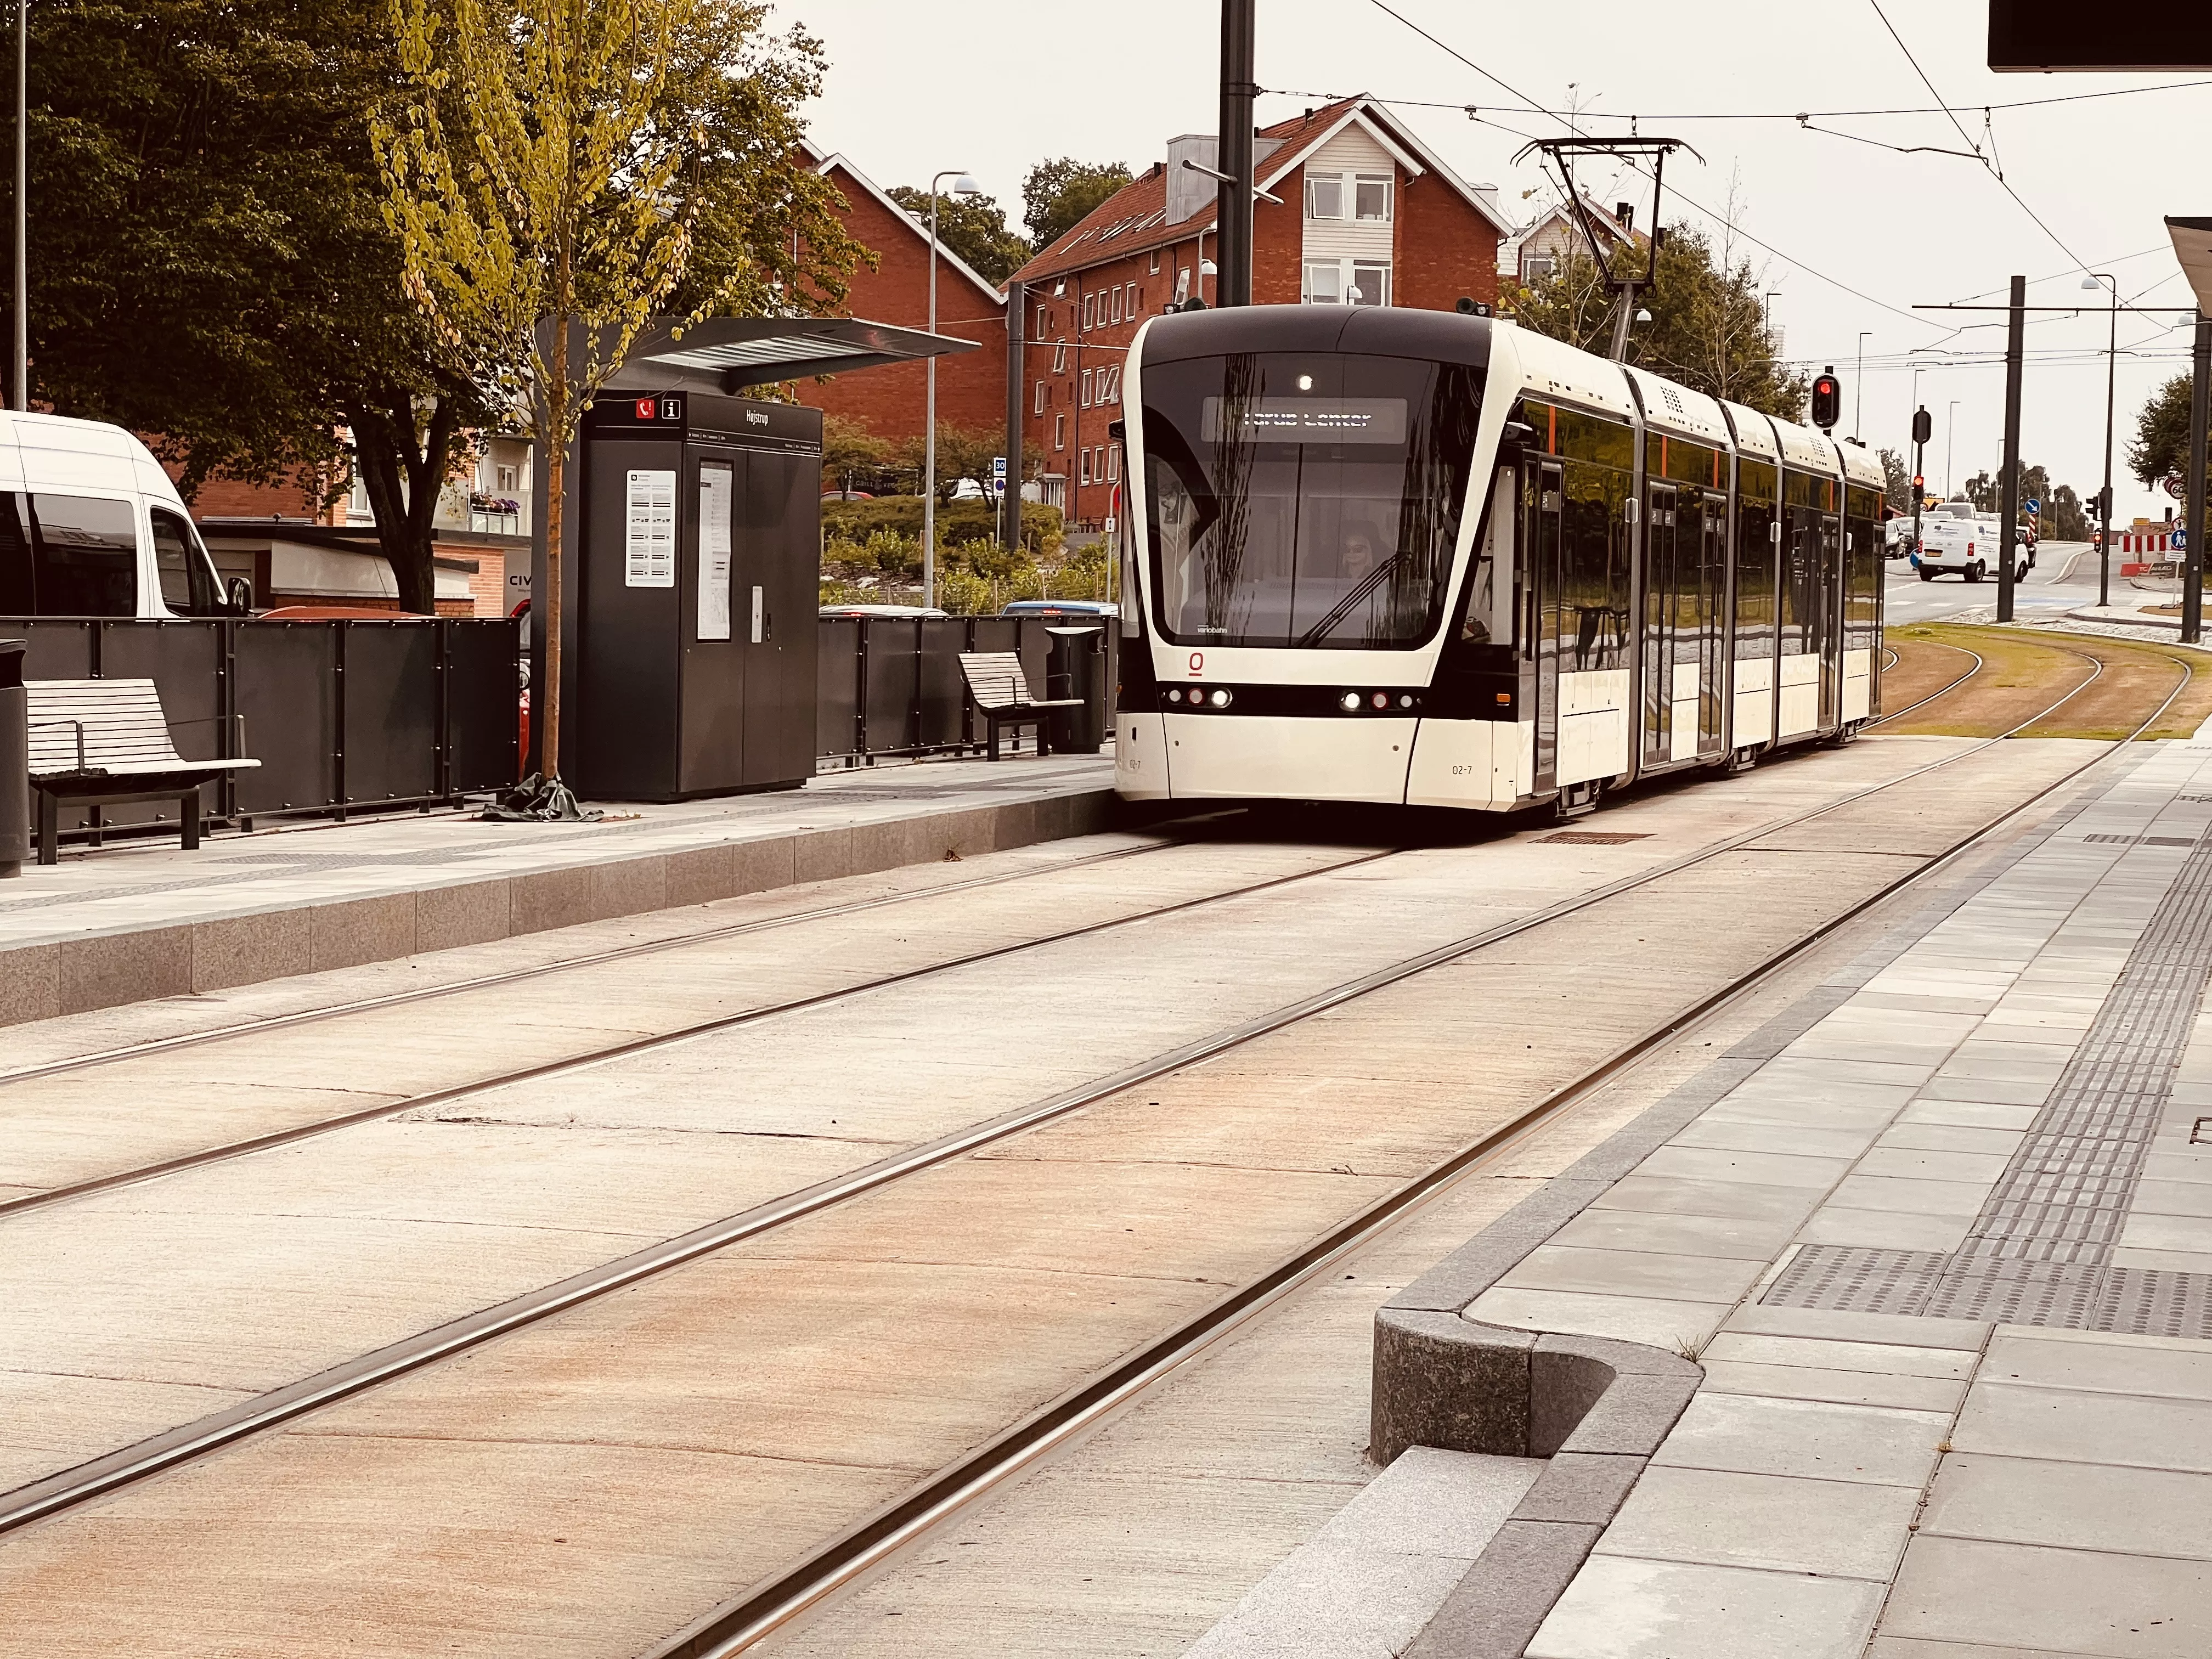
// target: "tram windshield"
[[1305, 498]]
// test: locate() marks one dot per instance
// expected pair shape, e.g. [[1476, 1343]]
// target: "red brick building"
[[1365, 214], [971, 388]]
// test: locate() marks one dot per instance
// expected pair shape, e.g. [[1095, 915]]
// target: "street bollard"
[[1075, 666], [14, 762]]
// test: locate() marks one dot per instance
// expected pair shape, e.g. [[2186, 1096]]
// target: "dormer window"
[[1372, 197], [1324, 195]]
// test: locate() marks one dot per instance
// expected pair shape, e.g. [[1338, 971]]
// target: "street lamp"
[[1858, 384], [962, 185], [1950, 425], [2105, 497]]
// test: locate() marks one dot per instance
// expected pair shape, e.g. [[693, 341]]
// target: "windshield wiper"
[[1350, 602]]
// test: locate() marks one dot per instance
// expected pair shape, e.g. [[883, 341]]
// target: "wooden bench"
[[105, 743], [1000, 693]]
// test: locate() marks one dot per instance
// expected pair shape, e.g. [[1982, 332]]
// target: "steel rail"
[[71, 1488], [776, 1602], [538, 970], [229, 1150], [1900, 713]]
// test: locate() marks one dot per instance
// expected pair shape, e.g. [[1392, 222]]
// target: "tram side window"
[[1593, 574], [1493, 587], [1754, 559], [1805, 552], [1861, 565], [67, 556]]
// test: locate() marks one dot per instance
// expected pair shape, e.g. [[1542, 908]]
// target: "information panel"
[[650, 543], [714, 492]]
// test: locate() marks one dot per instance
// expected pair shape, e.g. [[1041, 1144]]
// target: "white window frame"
[[1059, 432], [1083, 400], [1083, 466], [1537, 266], [1043, 326], [1155, 271], [1308, 293], [1114, 385], [1380, 268], [1087, 308], [1041, 396], [1316, 182], [1114, 464], [1117, 303], [1389, 182], [1059, 356]]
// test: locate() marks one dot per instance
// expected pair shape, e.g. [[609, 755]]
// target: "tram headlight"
[[1405, 701], [1349, 701], [1381, 700], [1219, 699]]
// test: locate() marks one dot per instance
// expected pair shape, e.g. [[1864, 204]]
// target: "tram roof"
[[1552, 367], [1861, 465], [1802, 446], [1754, 433], [1678, 409]]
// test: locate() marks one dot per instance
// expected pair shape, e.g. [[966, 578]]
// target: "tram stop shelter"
[[690, 585]]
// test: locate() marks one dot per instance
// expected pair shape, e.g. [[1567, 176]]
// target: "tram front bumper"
[[1228, 757]]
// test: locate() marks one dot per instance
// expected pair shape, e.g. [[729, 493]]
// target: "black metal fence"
[[341, 715], [350, 716], [892, 686]]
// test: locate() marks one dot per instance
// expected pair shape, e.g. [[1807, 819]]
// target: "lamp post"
[[22, 387], [2105, 496], [962, 185], [1858, 387], [1950, 425]]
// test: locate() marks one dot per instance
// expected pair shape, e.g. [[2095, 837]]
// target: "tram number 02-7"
[[1463, 771]]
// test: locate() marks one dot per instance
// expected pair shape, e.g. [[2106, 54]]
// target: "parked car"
[[908, 611], [1062, 608], [1964, 547], [968, 490]]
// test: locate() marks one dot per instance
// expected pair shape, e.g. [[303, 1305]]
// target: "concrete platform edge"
[[1597, 1408], [107, 970]]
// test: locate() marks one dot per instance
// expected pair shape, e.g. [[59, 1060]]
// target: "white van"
[[90, 525]]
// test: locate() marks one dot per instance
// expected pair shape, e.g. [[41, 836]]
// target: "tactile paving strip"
[[2039, 1252]]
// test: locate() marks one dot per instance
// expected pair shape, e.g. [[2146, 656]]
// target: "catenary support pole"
[[2200, 402], [2008, 485], [22, 388], [2104, 498], [1009, 503], [1232, 282]]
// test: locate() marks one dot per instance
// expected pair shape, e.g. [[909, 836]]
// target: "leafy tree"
[[559, 172], [962, 453], [209, 266], [1897, 477], [1708, 330], [2065, 517], [852, 458], [2159, 449], [973, 227], [1058, 195]]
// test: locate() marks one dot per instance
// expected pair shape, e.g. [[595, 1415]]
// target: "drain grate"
[[1589, 838]]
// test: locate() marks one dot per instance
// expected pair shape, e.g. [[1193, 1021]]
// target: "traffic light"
[[1924, 426], [1827, 400], [1919, 483]]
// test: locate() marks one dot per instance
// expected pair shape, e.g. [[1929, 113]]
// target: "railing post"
[[914, 700], [339, 725], [442, 737]]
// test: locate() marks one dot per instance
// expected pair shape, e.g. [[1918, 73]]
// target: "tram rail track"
[[777, 1603], [853, 1553]]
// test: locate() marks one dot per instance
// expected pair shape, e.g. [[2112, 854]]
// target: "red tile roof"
[[1134, 217]]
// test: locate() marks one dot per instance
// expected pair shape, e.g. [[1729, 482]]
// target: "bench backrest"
[[995, 679], [121, 722]]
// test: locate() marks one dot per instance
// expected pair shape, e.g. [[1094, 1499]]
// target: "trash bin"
[[14, 762], [1075, 666]]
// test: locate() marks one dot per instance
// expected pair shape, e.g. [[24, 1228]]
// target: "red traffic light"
[[1828, 399], [1919, 483]]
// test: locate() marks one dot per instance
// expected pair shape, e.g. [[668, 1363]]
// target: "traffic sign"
[[2178, 538], [2033, 506], [2176, 486]]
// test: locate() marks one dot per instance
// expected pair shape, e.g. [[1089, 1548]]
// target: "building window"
[[1113, 387], [1041, 329], [1059, 357], [1040, 398], [1089, 310], [1084, 402], [507, 477], [1117, 305], [1538, 268], [1113, 465], [1324, 283], [1324, 195], [1059, 432], [1134, 296], [1083, 460], [1156, 262], [1372, 197], [1370, 282]]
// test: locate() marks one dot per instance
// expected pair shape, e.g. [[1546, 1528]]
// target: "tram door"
[[1712, 606], [1830, 613], [1542, 491], [1662, 617]]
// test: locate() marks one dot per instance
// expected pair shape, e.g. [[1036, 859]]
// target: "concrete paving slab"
[[1623, 1608], [2068, 1506], [1911, 1195], [1667, 1324], [2013, 1421], [1671, 1274], [1684, 1195], [1887, 1230], [1739, 1238], [1903, 1329], [1894, 1359], [1755, 1169], [2126, 1607], [1725, 1518], [2099, 1363], [1799, 1139], [1930, 1393], [1813, 1439]]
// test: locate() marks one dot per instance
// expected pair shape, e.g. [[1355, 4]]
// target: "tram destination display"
[[1303, 419]]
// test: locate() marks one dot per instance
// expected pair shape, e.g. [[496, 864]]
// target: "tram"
[[1421, 557]]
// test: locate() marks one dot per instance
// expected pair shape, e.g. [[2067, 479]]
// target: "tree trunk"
[[546, 702], [403, 466]]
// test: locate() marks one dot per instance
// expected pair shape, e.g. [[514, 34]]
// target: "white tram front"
[[1415, 556]]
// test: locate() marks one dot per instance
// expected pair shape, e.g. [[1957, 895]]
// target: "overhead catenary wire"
[[1741, 115]]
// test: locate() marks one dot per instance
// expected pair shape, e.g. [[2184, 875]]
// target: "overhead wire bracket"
[[1645, 155]]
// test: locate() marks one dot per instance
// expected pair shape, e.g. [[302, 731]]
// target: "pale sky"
[[993, 88]]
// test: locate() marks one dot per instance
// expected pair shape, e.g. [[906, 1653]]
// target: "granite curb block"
[[1597, 1409], [107, 970]]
